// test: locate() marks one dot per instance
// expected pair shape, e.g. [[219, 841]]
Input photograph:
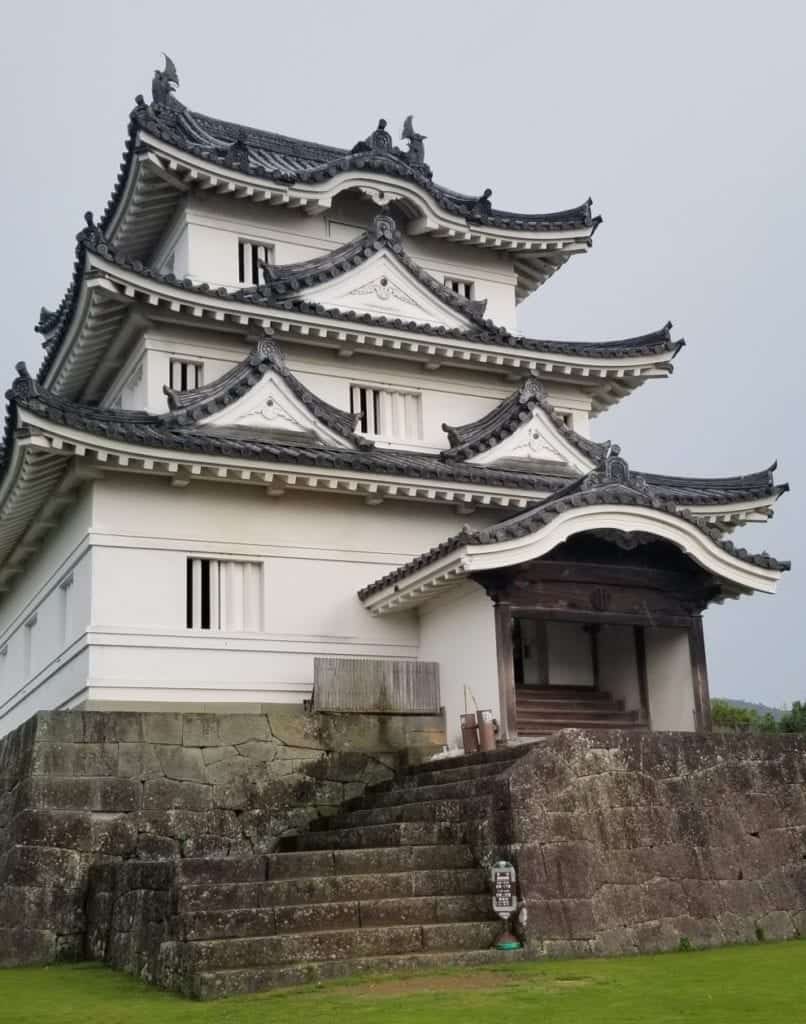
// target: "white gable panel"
[[382, 287], [270, 405], [536, 440]]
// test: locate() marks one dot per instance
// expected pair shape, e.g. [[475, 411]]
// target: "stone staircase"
[[541, 712], [396, 880]]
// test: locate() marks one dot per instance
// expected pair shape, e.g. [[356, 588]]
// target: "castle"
[[285, 432]]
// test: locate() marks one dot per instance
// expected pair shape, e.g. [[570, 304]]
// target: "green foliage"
[[725, 716], [794, 720], [685, 945], [728, 718]]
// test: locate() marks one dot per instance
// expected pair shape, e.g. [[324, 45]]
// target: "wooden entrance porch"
[[604, 632]]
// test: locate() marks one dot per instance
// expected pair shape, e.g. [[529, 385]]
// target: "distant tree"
[[794, 720], [728, 718]]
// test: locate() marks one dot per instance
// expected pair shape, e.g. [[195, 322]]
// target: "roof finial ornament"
[[384, 226], [164, 83], [380, 141], [482, 207], [237, 153], [416, 150], [92, 232], [614, 470], [23, 388]]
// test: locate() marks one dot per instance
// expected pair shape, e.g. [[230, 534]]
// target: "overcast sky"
[[684, 121]]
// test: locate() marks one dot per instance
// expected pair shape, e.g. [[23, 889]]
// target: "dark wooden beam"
[[643, 678], [699, 676], [506, 674]]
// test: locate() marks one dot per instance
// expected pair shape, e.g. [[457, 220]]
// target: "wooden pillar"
[[699, 676], [641, 673], [506, 674]]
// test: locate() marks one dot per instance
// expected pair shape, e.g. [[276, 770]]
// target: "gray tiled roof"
[[178, 431], [282, 282], [291, 278], [611, 483], [290, 161], [488, 431], [188, 407]]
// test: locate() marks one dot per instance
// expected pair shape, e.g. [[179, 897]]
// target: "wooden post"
[[641, 671], [699, 676], [506, 674]]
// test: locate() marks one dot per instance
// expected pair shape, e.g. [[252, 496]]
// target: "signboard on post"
[[505, 900]]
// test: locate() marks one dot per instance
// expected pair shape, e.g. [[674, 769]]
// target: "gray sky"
[[684, 122]]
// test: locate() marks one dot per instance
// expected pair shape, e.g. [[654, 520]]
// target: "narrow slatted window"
[[224, 596], [460, 286], [185, 375], [391, 413], [250, 257]]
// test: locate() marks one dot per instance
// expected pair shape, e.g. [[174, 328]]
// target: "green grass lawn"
[[764, 984]]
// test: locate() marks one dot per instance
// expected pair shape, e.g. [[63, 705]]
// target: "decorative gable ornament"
[[533, 446], [386, 291], [383, 286]]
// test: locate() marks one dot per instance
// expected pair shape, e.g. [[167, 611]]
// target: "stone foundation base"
[[82, 787]]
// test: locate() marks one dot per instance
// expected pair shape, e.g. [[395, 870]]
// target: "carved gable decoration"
[[537, 439], [382, 287], [272, 407]]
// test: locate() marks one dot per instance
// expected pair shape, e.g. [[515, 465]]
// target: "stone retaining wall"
[[81, 788], [635, 843]]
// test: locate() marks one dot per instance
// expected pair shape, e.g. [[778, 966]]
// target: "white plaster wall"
[[316, 553], [618, 666], [43, 622], [458, 631], [670, 683], [210, 227], [450, 394], [570, 662]]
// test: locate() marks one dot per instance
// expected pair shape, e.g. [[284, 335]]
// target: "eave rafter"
[[181, 466], [116, 290], [610, 499], [158, 175]]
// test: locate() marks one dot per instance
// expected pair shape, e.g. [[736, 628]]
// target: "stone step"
[[341, 944], [207, 985], [220, 870], [439, 776], [404, 793], [397, 834], [501, 757], [379, 859], [425, 811], [250, 922], [391, 885]]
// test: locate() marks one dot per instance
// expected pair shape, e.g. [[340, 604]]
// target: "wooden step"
[[532, 729]]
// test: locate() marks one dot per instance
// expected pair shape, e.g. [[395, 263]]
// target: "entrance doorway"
[[577, 674]]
